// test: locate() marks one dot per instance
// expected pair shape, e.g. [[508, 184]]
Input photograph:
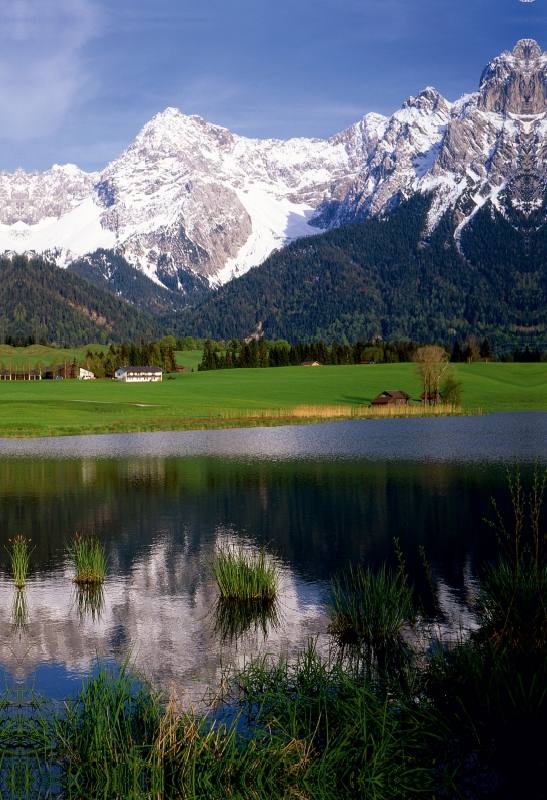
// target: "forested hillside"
[[385, 278], [40, 300], [111, 271]]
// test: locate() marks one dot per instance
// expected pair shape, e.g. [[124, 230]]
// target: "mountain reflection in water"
[[321, 497]]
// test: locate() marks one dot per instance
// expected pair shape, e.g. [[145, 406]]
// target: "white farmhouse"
[[138, 374], [85, 375]]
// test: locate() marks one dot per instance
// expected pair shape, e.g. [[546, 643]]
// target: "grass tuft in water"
[[86, 554], [369, 608], [245, 576], [19, 554]]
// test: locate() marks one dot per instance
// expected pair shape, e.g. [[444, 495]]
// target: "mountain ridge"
[[189, 198]]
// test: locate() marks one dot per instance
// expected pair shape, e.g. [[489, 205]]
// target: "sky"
[[79, 78]]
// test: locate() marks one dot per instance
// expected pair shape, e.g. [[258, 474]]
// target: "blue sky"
[[79, 78]]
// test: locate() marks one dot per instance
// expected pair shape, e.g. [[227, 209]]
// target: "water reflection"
[[89, 602], [161, 517], [19, 612], [234, 619]]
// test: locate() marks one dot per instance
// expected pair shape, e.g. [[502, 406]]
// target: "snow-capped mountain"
[[189, 196]]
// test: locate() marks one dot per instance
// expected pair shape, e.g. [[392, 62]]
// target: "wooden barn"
[[392, 398]]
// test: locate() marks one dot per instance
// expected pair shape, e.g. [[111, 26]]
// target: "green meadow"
[[234, 398]]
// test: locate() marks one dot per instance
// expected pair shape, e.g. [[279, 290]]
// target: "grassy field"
[[238, 397]]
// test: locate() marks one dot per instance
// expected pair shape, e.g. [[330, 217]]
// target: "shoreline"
[[259, 419]]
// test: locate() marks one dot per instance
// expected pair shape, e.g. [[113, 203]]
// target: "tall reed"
[[245, 576], [87, 557], [19, 554]]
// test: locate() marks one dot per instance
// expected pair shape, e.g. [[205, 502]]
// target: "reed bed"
[[19, 553], [309, 411], [245, 576], [86, 554]]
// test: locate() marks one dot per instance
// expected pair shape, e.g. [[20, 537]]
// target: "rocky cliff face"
[[191, 197]]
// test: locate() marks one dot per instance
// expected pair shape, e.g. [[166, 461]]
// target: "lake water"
[[321, 496]]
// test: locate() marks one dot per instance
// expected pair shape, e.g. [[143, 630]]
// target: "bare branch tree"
[[431, 363]]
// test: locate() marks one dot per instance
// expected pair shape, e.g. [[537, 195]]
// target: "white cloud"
[[42, 65]]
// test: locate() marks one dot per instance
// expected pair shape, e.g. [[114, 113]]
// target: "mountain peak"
[[514, 82], [527, 50]]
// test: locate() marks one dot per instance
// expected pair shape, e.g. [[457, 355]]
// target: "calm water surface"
[[322, 496]]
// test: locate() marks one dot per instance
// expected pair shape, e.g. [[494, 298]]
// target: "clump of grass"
[[19, 554], [245, 576], [86, 554], [369, 608]]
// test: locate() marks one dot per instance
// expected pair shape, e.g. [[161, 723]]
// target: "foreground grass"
[[239, 398]]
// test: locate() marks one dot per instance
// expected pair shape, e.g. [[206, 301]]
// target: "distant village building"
[[61, 371], [391, 398], [30, 374], [310, 364], [86, 375], [139, 374]]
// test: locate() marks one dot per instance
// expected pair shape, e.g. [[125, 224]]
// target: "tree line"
[[237, 354], [155, 354]]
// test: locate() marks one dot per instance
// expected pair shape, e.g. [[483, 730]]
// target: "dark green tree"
[[485, 350], [457, 354]]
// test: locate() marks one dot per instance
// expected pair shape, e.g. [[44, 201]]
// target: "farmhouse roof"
[[140, 370]]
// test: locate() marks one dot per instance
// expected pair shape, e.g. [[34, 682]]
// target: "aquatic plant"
[[87, 556], [369, 608], [19, 554], [245, 576]]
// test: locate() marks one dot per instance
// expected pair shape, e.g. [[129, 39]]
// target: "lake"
[[321, 497]]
